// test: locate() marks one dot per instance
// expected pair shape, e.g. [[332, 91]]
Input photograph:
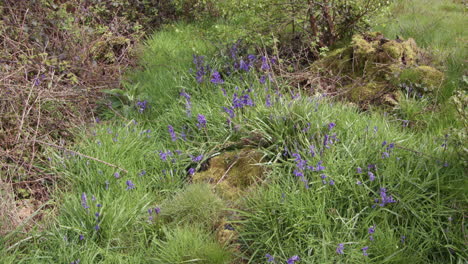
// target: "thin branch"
[[83, 155]]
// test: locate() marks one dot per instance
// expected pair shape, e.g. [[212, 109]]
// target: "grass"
[[295, 210]]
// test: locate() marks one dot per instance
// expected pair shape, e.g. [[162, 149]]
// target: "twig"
[[83, 155], [226, 172]]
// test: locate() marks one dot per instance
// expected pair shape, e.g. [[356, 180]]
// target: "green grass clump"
[[195, 204], [190, 244]]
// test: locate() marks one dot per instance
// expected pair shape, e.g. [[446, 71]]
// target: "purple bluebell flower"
[[364, 251], [332, 182], [188, 103], [293, 259], [116, 175], [359, 170], [196, 158], [96, 227], [376, 129], [384, 143], [75, 262], [172, 133], [252, 58], [262, 79], [201, 121], [229, 111], [331, 126], [244, 66], [319, 166], [298, 173], [385, 198], [81, 237], [371, 176], [371, 230], [84, 201], [97, 215], [191, 171], [265, 66], [340, 249], [99, 205], [142, 173], [312, 150], [359, 183], [403, 239], [142, 105], [130, 185], [385, 155], [216, 78], [200, 67], [268, 100], [157, 210], [270, 258]]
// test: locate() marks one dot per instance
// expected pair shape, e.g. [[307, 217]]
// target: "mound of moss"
[[372, 68]]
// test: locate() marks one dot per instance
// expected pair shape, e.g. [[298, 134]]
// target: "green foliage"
[[196, 204], [190, 244]]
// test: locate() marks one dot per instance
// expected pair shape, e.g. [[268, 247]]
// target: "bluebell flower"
[[270, 258], [331, 126], [96, 227], [319, 166], [262, 79], [142, 173], [265, 66], [359, 170], [364, 251], [332, 182], [81, 237], [216, 78], [385, 198], [191, 171], [340, 249], [196, 158], [268, 100], [229, 111], [244, 66], [84, 201], [371, 176], [142, 105], [293, 259], [130, 185], [201, 121], [172, 133]]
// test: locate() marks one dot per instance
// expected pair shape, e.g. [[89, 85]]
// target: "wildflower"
[[262, 79], [96, 215], [298, 173], [376, 129], [331, 126], [188, 103], [75, 262], [84, 200], [268, 101], [130, 185], [96, 227], [340, 249], [371, 230], [197, 158], [157, 210], [332, 182], [229, 111], [359, 183], [385, 198], [216, 78], [371, 176], [252, 58], [293, 259], [403, 239], [385, 155], [201, 121], [384, 143], [81, 237], [265, 66], [270, 258], [319, 166], [117, 175], [312, 149], [99, 205], [172, 133], [142, 105], [359, 170], [244, 66], [141, 173], [191, 171], [364, 251]]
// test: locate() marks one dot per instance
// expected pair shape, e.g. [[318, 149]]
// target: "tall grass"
[[297, 210]]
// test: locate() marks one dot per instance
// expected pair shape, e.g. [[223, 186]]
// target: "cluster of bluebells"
[[142, 105], [188, 103], [152, 212], [388, 150], [201, 121], [291, 260], [302, 167], [172, 133], [84, 204], [130, 185], [200, 68], [384, 198]]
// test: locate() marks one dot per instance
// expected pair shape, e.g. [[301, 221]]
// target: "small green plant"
[[194, 204], [190, 244]]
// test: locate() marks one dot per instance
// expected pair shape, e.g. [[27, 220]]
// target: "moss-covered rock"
[[423, 78], [232, 172], [372, 68]]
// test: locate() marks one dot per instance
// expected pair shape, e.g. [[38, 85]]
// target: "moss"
[[393, 49], [367, 91], [232, 172], [424, 78]]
